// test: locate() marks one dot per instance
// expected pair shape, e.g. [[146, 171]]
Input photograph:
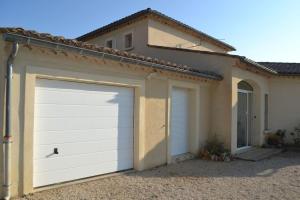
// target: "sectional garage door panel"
[[90, 125], [179, 122]]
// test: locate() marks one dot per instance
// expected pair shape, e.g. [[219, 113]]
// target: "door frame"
[[194, 105], [32, 73], [249, 118], [77, 85]]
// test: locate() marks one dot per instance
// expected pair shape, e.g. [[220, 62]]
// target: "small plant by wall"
[[215, 150], [275, 139]]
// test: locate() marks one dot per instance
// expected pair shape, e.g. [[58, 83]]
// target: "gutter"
[[10, 37], [7, 139]]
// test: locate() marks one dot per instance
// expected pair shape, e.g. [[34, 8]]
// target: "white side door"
[[179, 121]]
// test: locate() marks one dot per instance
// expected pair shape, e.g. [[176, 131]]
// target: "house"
[[131, 95], [157, 35]]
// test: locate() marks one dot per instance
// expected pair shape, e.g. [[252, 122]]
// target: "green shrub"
[[215, 147], [215, 150]]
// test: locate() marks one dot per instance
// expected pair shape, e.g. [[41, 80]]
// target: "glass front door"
[[244, 119]]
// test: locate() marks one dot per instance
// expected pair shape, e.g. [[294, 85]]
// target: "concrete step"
[[257, 154]]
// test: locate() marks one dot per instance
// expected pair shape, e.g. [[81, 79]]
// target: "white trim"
[[34, 72], [124, 42]]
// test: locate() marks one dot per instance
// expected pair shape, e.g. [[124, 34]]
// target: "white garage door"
[[179, 122], [89, 126]]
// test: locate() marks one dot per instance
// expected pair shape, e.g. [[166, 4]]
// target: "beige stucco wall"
[[223, 104], [202, 61], [221, 112], [156, 122], [151, 104], [165, 35], [140, 35], [149, 31], [205, 114], [152, 32], [284, 104], [220, 104]]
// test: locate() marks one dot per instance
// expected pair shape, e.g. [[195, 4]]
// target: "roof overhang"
[[242, 59], [60, 44]]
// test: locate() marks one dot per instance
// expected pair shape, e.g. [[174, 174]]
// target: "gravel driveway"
[[275, 178]]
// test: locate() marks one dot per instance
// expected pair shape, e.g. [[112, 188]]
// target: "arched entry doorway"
[[244, 122]]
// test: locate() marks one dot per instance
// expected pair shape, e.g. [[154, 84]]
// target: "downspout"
[[7, 140]]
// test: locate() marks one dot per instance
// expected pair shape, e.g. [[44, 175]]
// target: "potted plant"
[[275, 139]]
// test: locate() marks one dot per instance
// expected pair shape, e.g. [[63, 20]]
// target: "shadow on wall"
[[205, 169], [123, 104], [155, 126]]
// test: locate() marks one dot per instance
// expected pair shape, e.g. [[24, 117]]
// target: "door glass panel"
[[242, 120]]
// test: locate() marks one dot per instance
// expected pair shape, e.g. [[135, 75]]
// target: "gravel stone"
[[274, 178]]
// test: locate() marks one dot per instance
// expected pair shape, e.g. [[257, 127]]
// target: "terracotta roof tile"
[[88, 46]]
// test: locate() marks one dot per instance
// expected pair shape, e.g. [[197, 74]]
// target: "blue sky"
[[263, 30]]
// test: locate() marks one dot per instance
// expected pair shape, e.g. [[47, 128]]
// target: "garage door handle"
[[55, 151]]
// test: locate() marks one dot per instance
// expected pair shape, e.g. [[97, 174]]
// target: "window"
[[266, 111], [243, 85], [128, 41], [110, 43]]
